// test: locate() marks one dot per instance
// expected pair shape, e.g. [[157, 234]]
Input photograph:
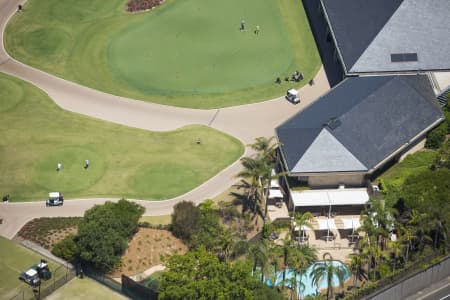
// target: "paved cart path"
[[245, 122]]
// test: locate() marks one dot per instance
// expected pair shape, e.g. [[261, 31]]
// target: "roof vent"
[[403, 57], [333, 123]]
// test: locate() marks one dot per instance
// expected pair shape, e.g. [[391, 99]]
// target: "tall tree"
[[255, 174], [429, 193], [104, 231], [185, 220], [303, 220], [266, 148], [299, 260], [200, 275], [258, 255], [356, 266]]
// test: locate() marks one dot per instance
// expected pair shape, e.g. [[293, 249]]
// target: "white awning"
[[274, 183], [325, 224], [330, 197], [352, 223], [304, 228], [275, 193]]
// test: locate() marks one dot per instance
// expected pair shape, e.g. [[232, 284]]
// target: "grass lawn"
[[15, 259], [124, 162], [187, 53], [84, 289], [412, 164]]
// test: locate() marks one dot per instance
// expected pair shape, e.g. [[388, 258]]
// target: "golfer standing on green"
[[242, 25]]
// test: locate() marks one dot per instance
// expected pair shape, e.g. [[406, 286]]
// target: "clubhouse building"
[[389, 52]]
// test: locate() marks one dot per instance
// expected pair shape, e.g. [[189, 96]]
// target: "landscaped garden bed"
[[146, 249], [49, 231]]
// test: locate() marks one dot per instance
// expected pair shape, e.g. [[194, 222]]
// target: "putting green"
[[187, 53], [193, 47], [124, 162]]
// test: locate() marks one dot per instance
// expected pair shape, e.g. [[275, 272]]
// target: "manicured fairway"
[[84, 289], [186, 53], [15, 259], [124, 162]]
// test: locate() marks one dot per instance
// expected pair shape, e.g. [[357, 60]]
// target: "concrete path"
[[245, 122]]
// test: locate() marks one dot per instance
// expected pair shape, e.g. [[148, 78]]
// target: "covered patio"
[[330, 202]]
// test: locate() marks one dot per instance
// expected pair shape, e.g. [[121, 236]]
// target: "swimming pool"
[[306, 279]]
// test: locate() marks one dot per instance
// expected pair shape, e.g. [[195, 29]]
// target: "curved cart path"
[[244, 122]]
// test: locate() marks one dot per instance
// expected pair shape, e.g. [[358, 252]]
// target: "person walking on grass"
[[242, 25], [257, 30]]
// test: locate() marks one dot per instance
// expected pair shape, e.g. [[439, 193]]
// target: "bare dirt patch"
[[142, 5], [145, 250]]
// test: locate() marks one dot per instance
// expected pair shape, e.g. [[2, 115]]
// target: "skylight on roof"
[[403, 57]]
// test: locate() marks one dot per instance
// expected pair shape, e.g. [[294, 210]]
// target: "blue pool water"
[[306, 279]]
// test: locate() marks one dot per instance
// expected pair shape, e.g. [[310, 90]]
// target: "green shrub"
[[436, 137], [185, 220], [446, 112], [67, 249]]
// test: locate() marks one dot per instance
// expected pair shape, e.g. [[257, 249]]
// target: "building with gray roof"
[[356, 128], [390, 36]]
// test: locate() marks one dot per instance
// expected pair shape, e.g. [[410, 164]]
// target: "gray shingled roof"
[[371, 117], [367, 32]]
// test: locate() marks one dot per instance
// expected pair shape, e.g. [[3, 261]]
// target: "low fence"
[[102, 278], [136, 290], [414, 283], [60, 276]]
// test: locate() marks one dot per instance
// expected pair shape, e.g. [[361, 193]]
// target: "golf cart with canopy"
[[31, 277], [55, 199], [292, 96]]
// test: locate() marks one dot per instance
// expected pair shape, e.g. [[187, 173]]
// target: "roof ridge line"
[[375, 37]]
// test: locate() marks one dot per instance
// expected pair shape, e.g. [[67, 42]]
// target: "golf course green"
[[188, 53], [124, 162]]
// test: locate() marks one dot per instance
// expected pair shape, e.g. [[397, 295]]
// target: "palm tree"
[[326, 270], [258, 254], [357, 263], [299, 260], [286, 250], [254, 173], [396, 252], [419, 222], [266, 148], [303, 220], [407, 237], [273, 262]]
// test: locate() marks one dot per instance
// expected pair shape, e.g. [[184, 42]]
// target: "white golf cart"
[[292, 96], [31, 277], [55, 199]]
